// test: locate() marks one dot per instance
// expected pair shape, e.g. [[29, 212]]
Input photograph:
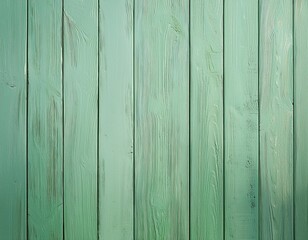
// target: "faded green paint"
[[161, 119], [116, 179], [45, 120], [301, 118], [80, 118], [129, 107], [206, 114], [13, 119], [241, 119], [276, 120]]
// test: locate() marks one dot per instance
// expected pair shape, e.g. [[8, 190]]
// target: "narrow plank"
[[206, 139], [276, 121], [45, 120], [300, 119], [161, 119], [116, 120], [241, 119], [80, 118], [13, 41]]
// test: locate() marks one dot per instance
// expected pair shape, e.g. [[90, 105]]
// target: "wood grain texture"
[[13, 41], [276, 120], [81, 118], [206, 111], [300, 119], [45, 128], [116, 120], [161, 119], [241, 119]]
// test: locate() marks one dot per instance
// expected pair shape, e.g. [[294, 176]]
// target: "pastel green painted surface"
[[301, 118], [206, 115], [161, 119], [276, 120], [13, 119], [45, 128], [116, 170], [80, 118], [241, 119], [160, 141]]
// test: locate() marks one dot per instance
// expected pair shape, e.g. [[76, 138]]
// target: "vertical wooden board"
[[276, 120], [13, 41], [45, 120], [161, 119], [300, 119], [116, 120], [206, 137], [80, 118], [241, 119]]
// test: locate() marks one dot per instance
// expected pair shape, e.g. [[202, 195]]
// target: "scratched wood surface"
[[45, 128], [300, 119], [116, 170], [80, 118], [161, 119], [241, 119], [276, 119], [206, 116], [13, 69]]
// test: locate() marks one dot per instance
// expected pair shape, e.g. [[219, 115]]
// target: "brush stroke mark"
[[161, 119], [276, 122], [45, 120], [206, 137]]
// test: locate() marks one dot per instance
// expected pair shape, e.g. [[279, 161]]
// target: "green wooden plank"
[[80, 118], [161, 119], [13, 28], [45, 120], [300, 119], [206, 119], [276, 120], [241, 119], [116, 120]]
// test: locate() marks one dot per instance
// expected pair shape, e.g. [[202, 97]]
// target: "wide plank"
[[206, 115], [80, 118], [276, 119], [45, 128], [13, 93], [116, 167], [161, 119], [241, 119]]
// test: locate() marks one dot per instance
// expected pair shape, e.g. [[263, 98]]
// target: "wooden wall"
[[153, 119]]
